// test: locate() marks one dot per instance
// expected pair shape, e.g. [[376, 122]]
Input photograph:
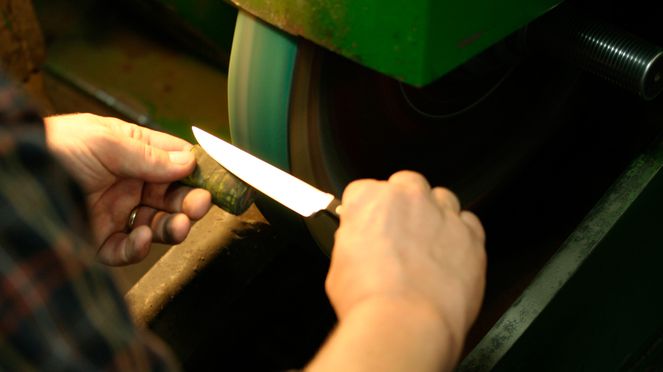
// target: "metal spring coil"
[[620, 57]]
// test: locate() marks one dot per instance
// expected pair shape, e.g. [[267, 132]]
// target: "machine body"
[[414, 41]]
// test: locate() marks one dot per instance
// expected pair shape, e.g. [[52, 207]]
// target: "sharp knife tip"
[[197, 132]]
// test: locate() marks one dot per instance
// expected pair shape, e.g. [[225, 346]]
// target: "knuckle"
[[153, 155], [445, 193], [413, 181], [134, 132], [474, 224], [407, 174], [483, 258], [480, 232], [411, 193], [356, 189], [417, 199], [408, 177]]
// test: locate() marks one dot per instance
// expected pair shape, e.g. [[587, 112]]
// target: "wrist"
[[418, 317], [424, 309], [389, 334]]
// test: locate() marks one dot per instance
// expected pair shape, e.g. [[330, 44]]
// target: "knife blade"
[[281, 186]]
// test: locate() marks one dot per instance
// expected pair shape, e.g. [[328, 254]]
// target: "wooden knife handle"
[[228, 192]]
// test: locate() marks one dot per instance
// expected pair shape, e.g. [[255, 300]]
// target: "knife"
[[281, 186]]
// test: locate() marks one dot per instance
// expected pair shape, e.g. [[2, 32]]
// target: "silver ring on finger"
[[132, 218]]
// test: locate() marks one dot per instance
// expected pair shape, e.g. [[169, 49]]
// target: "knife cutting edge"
[[281, 186]]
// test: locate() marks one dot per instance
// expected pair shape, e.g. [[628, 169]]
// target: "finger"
[[165, 141], [473, 222], [122, 249], [446, 199], [144, 216], [356, 190], [112, 208], [197, 203], [135, 159], [155, 196], [410, 179], [173, 198], [151, 137], [170, 228]]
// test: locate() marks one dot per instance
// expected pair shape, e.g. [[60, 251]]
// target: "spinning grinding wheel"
[[329, 121]]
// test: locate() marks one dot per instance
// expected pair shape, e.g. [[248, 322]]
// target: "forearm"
[[389, 335]]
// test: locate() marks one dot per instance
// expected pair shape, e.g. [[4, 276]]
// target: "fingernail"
[[180, 157]]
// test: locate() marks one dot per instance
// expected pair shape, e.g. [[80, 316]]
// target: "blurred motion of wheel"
[[329, 120]]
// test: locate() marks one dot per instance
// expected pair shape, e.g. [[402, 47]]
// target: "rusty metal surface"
[[21, 42], [22, 51], [216, 232]]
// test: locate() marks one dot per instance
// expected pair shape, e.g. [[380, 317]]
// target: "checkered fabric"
[[59, 308]]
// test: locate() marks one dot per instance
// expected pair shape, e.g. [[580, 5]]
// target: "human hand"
[[399, 242], [121, 166]]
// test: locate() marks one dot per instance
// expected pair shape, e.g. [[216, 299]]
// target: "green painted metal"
[[259, 82], [595, 305], [415, 41]]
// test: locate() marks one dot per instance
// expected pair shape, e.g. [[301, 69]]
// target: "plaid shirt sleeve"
[[59, 309]]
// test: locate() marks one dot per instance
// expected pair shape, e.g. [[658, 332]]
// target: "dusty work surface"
[[215, 234]]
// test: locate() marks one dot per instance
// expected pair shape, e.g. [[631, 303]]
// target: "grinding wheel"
[[329, 121]]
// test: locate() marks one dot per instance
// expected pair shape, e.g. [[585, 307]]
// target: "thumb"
[[153, 164]]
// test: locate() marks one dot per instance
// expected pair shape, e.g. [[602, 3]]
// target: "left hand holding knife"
[[127, 170]]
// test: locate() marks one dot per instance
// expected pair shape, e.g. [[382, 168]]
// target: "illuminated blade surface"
[[271, 181]]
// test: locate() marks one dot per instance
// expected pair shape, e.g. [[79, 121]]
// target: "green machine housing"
[[414, 41]]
